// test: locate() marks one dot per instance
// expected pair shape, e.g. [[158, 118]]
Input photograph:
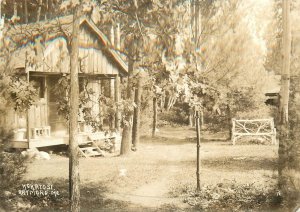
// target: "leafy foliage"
[[231, 197], [61, 91], [22, 94], [15, 90], [233, 67], [88, 100], [12, 169]]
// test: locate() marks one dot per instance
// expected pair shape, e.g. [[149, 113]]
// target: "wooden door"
[[38, 113]]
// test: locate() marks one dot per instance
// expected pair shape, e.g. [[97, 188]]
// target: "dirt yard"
[[147, 178]]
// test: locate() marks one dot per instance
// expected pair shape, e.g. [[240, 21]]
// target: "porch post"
[[28, 110], [113, 97], [28, 127], [117, 99], [100, 103]]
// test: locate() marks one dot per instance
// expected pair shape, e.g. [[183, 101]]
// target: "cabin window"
[[39, 84]]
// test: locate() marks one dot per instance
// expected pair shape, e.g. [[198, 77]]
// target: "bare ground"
[[163, 164]]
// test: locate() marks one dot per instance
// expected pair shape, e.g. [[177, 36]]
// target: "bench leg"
[[233, 140], [273, 139]]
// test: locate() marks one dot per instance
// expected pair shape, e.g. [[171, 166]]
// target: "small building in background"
[[272, 90]]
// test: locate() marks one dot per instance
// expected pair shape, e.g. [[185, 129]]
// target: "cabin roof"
[[26, 34]]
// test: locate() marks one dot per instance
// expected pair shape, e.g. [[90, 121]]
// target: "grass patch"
[[229, 197], [91, 196]]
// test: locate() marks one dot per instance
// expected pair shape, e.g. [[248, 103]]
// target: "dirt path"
[[156, 193], [153, 195]]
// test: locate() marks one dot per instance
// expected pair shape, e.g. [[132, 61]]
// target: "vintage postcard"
[[149, 105]]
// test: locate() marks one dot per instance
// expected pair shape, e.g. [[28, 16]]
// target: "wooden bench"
[[263, 128]]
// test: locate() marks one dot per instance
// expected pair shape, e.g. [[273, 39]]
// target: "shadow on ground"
[[241, 164], [92, 198], [179, 141]]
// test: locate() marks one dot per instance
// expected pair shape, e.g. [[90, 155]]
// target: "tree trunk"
[[195, 22], [101, 115], [117, 99], [284, 98], [197, 12], [118, 37], [293, 171], [15, 8], [47, 9], [171, 102], [285, 139], [137, 115], [26, 11], [50, 8], [198, 149], [229, 121], [289, 133], [28, 110], [285, 76], [191, 116], [127, 129], [201, 119], [154, 116], [192, 12], [40, 3], [166, 99], [162, 100], [74, 107], [112, 35]]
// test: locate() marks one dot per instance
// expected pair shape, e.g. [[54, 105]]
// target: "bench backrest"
[[253, 127]]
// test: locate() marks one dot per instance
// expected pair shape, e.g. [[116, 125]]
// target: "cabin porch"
[[97, 139], [38, 142], [45, 125]]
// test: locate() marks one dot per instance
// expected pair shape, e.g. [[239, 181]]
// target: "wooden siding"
[[56, 59], [93, 60], [11, 120], [38, 117]]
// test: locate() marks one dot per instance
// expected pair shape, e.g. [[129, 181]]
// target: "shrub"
[[263, 111], [12, 168], [215, 122], [177, 115], [230, 197]]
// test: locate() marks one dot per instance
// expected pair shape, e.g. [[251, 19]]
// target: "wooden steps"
[[87, 147], [90, 151], [95, 144]]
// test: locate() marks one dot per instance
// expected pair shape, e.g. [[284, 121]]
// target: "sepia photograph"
[[150, 105]]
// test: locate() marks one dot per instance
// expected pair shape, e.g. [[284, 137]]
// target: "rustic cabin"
[[43, 57]]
